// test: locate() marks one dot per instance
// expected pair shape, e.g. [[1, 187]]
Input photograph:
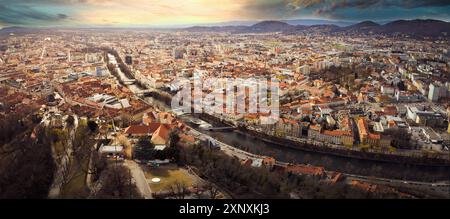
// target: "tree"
[[126, 119], [117, 184], [51, 98], [92, 125], [99, 164], [77, 152], [178, 190], [36, 118], [400, 138], [212, 190], [198, 192], [27, 172], [122, 140], [10, 126], [82, 144], [306, 119], [70, 121], [401, 86], [174, 138], [173, 152], [143, 150]]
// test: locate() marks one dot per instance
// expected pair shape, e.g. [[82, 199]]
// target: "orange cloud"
[[140, 12]]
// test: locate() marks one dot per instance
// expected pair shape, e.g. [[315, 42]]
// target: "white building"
[[433, 94], [304, 70]]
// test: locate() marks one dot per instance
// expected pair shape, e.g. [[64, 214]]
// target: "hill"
[[429, 28], [269, 26]]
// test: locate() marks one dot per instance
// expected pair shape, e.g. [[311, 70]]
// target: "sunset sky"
[[185, 12]]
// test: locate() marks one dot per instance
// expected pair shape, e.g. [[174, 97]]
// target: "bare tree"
[[198, 192], [27, 172], [178, 190], [117, 183], [70, 121], [212, 190]]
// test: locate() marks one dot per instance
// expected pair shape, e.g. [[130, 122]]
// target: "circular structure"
[[156, 180]]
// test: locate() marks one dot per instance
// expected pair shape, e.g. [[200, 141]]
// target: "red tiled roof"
[[374, 136], [309, 170], [142, 129], [362, 125], [337, 133], [161, 135], [315, 127], [187, 138], [269, 160]]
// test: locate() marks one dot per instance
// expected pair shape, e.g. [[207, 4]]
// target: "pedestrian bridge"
[[228, 128]]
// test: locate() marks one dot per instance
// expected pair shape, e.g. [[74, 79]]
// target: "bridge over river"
[[226, 128]]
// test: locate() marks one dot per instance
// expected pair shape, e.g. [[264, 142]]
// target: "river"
[[331, 162]]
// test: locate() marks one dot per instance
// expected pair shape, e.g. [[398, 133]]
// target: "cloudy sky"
[[176, 12]]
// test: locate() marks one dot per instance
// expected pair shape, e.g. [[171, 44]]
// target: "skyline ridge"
[[292, 22]]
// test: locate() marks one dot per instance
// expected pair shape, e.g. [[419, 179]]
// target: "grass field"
[[168, 176]]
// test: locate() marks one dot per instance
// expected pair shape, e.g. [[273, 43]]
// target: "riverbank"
[[285, 152], [424, 161]]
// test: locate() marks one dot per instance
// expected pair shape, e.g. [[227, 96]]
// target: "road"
[[440, 189], [139, 178]]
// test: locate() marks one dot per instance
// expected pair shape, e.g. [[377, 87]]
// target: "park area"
[[169, 175]]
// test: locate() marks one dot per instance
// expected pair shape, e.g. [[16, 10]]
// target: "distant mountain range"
[[419, 28], [415, 28], [17, 30], [307, 22], [311, 22]]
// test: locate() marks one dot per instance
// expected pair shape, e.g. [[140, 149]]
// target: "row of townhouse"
[[339, 137]]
